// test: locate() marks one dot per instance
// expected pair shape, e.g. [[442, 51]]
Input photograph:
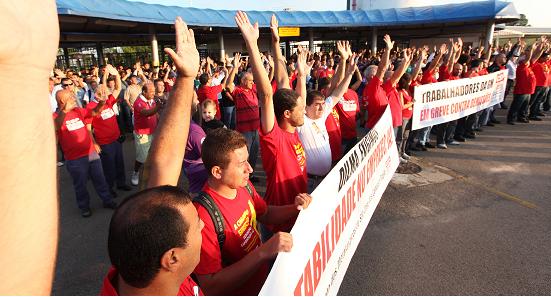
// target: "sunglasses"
[[66, 85]]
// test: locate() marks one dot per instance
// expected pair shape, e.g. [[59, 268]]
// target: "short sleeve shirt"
[[106, 128], [313, 135], [242, 236], [144, 124], [284, 161], [74, 137]]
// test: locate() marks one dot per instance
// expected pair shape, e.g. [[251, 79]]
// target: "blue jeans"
[[229, 116], [82, 168], [424, 135], [112, 161], [252, 145]]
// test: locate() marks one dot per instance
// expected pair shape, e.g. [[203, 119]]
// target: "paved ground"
[[475, 221]]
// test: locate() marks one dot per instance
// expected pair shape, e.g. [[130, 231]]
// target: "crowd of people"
[[213, 118]]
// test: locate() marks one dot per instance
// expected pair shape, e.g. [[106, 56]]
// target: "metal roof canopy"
[[132, 22]]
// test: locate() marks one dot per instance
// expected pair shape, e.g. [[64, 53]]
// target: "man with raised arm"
[[313, 133], [374, 92], [282, 152], [154, 237], [234, 261]]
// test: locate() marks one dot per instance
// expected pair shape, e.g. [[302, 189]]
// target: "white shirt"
[[315, 140], [512, 67]]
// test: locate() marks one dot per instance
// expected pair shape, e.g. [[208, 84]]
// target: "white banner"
[[451, 100], [326, 234]]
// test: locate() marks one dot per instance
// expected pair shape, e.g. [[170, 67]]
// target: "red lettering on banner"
[[425, 114], [329, 238], [308, 286], [344, 211], [317, 265], [336, 225], [298, 288], [327, 241]]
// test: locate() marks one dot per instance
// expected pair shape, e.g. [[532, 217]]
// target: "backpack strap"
[[250, 190], [206, 201]]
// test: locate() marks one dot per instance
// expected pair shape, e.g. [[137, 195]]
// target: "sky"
[[537, 17]]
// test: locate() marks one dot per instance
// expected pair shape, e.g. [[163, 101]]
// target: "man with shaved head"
[[81, 151]]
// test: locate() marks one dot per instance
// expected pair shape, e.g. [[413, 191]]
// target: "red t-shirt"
[[541, 71], [242, 236], [412, 86], [210, 92], [445, 74], [106, 128], [333, 126], [395, 103], [144, 124], [471, 74], [107, 289], [548, 73], [483, 71], [526, 80], [329, 72], [73, 135], [247, 114], [348, 107], [376, 101], [428, 78], [284, 161], [407, 112]]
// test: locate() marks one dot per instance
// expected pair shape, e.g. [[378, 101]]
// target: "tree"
[[523, 21]]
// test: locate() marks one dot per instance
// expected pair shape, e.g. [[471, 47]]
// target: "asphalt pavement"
[[475, 221]]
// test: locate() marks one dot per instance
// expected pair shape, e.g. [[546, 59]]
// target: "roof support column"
[[287, 49], [154, 47], [221, 42], [99, 50], [311, 39], [374, 41], [490, 34], [66, 56]]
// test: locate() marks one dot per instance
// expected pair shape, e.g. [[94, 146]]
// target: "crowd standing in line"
[[213, 118]]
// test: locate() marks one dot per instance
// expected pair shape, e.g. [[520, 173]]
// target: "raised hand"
[[111, 70], [443, 48], [343, 47], [351, 65], [249, 31], [301, 61], [236, 60], [274, 27], [388, 42], [186, 57]]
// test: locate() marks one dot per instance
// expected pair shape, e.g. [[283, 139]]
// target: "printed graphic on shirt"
[[348, 105], [107, 113], [301, 156], [74, 124], [246, 227], [336, 117]]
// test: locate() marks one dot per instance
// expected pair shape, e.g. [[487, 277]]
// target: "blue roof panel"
[[160, 14]]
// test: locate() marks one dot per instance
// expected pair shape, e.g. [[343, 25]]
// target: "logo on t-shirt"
[[246, 228], [74, 124], [301, 156], [336, 117], [349, 106], [107, 113]]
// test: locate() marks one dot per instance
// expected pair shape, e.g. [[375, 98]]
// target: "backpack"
[[207, 202]]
